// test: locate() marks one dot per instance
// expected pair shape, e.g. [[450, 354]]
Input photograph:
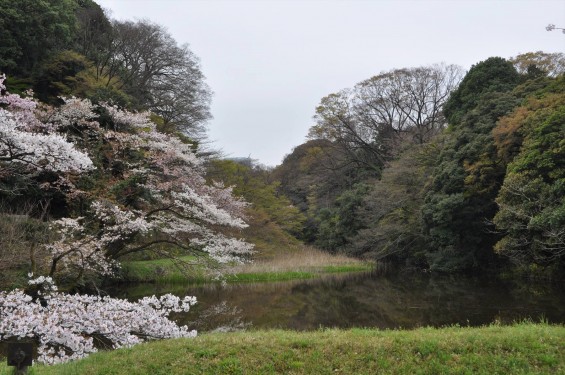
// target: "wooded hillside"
[[433, 169], [430, 168]]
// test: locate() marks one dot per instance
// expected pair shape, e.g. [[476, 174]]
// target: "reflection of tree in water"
[[365, 300], [407, 301], [219, 317]]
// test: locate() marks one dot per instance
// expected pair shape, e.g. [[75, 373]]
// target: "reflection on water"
[[361, 300]]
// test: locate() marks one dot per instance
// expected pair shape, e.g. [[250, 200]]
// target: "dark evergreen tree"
[[492, 75], [460, 205], [31, 31]]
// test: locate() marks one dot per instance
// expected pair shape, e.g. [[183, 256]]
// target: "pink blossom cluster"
[[26, 141], [125, 119], [74, 112], [77, 247], [22, 108], [39, 151], [68, 327], [185, 207]]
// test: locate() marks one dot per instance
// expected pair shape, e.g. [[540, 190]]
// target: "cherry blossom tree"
[[171, 206], [152, 196]]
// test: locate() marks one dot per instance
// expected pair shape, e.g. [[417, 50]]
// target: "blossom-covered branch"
[[68, 327], [167, 202], [27, 141]]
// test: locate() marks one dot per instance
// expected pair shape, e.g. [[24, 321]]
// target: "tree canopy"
[[432, 171]]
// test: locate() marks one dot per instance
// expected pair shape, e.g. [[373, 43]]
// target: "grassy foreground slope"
[[523, 348]]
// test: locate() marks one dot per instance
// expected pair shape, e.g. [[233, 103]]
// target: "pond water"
[[361, 300]]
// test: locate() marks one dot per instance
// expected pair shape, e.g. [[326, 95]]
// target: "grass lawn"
[[524, 348]]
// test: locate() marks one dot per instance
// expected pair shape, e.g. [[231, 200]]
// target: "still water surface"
[[361, 300]]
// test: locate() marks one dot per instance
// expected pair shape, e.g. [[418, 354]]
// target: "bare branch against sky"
[[270, 62]]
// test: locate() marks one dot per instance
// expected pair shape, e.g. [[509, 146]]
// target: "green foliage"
[[272, 217], [32, 30], [254, 185], [304, 176], [460, 202], [18, 86], [56, 46], [434, 211], [535, 64], [492, 75], [130, 191], [308, 180], [69, 73], [532, 198], [59, 76], [460, 207], [94, 30], [340, 222], [391, 211]]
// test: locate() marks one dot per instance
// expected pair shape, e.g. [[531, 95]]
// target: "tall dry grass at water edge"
[[305, 259]]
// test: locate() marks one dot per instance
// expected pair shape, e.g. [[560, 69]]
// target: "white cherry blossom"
[[65, 326]]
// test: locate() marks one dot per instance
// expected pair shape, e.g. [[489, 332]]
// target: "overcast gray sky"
[[270, 62]]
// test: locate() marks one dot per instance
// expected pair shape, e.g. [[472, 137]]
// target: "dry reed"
[[302, 260]]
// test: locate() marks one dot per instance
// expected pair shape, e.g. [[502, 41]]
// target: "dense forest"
[[103, 148], [437, 170]]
